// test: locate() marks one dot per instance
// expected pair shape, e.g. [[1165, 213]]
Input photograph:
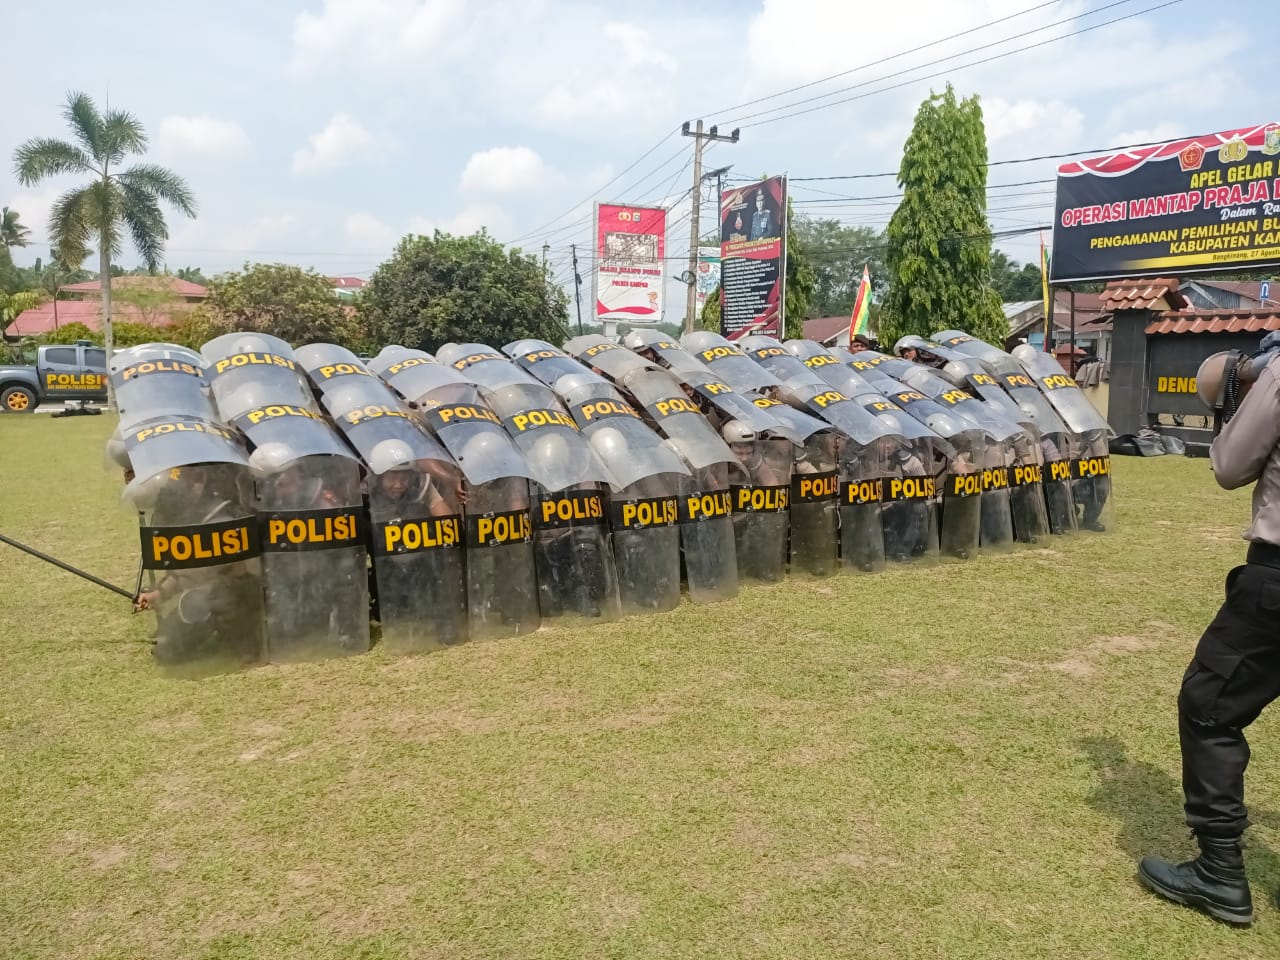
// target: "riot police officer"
[[1236, 669]]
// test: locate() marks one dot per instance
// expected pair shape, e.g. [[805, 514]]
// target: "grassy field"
[[963, 762]]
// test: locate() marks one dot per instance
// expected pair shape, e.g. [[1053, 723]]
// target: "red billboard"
[[631, 246]]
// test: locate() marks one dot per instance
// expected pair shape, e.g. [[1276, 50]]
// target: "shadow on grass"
[[1146, 803]]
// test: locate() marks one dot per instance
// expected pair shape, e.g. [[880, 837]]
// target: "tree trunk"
[[108, 340]]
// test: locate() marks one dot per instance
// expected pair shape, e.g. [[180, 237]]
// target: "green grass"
[[962, 762]]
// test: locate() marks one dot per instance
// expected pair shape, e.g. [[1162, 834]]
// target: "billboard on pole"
[[630, 251], [1204, 203], [753, 258], [708, 276]]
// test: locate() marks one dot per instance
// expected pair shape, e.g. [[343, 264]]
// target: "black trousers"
[[1235, 674]]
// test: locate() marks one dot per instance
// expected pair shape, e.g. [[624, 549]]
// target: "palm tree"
[[115, 200], [12, 232]]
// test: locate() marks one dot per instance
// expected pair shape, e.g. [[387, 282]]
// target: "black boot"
[[1213, 882]]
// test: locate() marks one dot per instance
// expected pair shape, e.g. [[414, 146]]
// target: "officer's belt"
[[1264, 554]]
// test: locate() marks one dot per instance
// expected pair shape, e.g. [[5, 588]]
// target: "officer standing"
[[1236, 669]]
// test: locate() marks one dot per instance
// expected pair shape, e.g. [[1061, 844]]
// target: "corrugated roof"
[[822, 329], [1216, 321], [1160, 293], [340, 282]]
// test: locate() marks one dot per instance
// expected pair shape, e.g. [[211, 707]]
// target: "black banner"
[[814, 487], [641, 514], [499, 529], [1026, 475], [704, 505], [1089, 467], [961, 485], [748, 498], [296, 531], [579, 508], [995, 478], [910, 488], [857, 493], [199, 545], [398, 537], [753, 258], [1205, 203]]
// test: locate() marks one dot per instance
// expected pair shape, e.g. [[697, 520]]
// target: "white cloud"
[[637, 46], [202, 135], [33, 206], [1050, 124], [369, 233], [377, 33], [343, 140], [504, 170]]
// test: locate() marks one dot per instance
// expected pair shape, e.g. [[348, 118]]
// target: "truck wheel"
[[18, 400]]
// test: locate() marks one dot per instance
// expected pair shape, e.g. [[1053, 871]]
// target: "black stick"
[[67, 567]]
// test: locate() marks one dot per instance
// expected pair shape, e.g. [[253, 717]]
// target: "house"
[[153, 301], [346, 286], [1092, 323], [828, 331]]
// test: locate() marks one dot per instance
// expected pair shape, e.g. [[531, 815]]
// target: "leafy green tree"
[[289, 302], [939, 241], [192, 275], [115, 201], [801, 280], [12, 232], [838, 254], [445, 288], [1012, 281], [710, 318]]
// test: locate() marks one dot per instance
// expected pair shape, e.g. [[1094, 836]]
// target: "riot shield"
[[544, 362], [328, 365], [643, 510], [484, 366], [576, 573], [910, 502], [202, 575], [249, 370], [760, 493], [728, 362], [778, 361], [606, 358], [312, 526], [864, 472], [706, 524], [1091, 464], [656, 347], [160, 380], [814, 514], [415, 510]]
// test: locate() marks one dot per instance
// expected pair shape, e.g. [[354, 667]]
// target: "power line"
[[963, 66], [876, 63]]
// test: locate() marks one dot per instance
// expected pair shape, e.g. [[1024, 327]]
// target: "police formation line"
[[290, 497]]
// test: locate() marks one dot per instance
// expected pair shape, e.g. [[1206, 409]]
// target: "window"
[[62, 355], [95, 357]]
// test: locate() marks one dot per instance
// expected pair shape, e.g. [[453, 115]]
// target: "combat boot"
[[1213, 882]]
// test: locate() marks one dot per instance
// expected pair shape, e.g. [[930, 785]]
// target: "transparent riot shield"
[[961, 521], [728, 361], [814, 513], [248, 370], [415, 513], [778, 361], [502, 585], [328, 365], [911, 500], [572, 550], [313, 531], [706, 524], [864, 470], [543, 361], [606, 358], [158, 380], [646, 539], [655, 346], [760, 493], [202, 575], [484, 366], [1091, 465]]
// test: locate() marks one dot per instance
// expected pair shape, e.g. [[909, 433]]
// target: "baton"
[[67, 567]]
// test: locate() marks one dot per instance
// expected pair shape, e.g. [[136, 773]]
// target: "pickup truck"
[[73, 372]]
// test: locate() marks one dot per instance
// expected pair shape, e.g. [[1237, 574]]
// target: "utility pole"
[[699, 138], [577, 285], [546, 248]]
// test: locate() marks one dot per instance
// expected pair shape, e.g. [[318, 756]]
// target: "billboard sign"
[[630, 251], [1205, 203], [708, 276], [753, 259]]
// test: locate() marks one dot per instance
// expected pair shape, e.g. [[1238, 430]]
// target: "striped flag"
[[1048, 300], [860, 319]]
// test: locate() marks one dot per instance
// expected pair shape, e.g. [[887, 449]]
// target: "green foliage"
[[939, 241], [12, 304], [710, 317], [126, 334], [801, 281], [1014, 283], [193, 275], [70, 333], [289, 302], [444, 288], [838, 254], [12, 231]]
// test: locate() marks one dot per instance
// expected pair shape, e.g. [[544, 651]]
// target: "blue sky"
[[318, 132]]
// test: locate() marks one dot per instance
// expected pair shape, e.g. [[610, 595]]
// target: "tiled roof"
[[40, 320], [1215, 321], [824, 328], [354, 283], [181, 288], [1160, 293]]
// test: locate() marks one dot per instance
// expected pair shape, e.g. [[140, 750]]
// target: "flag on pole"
[[860, 319], [1048, 300]]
